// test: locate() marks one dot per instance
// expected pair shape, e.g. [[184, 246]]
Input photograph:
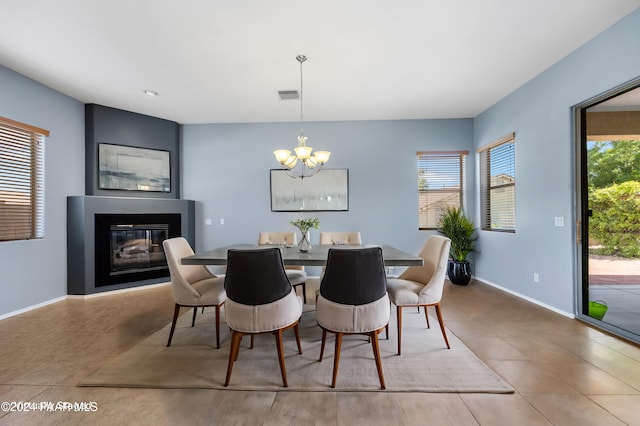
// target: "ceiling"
[[224, 61]]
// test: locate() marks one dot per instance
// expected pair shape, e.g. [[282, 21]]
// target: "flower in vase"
[[305, 224]]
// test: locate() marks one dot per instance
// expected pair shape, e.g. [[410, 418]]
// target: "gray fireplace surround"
[[82, 214]]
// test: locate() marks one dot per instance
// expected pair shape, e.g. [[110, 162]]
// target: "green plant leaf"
[[305, 224], [456, 226]]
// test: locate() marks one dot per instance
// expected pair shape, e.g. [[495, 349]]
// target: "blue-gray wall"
[[227, 172], [540, 114], [225, 168], [33, 272]]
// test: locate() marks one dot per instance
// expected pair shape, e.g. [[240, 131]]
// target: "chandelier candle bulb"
[[322, 156], [303, 152], [282, 155]]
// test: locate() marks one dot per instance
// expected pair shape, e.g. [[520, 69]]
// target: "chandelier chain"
[[301, 59]]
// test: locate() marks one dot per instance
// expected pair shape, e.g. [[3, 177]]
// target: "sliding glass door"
[[608, 230]]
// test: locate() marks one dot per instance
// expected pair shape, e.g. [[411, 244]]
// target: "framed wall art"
[[328, 190], [130, 168]]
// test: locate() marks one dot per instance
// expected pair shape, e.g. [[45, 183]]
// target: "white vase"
[[304, 245]]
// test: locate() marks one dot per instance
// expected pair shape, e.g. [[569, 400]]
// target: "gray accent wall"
[[34, 271], [81, 235], [540, 113], [118, 127]]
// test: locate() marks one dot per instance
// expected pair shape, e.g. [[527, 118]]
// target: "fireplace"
[[136, 248], [129, 246], [115, 243]]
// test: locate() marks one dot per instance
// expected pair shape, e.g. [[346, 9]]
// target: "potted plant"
[[456, 226], [304, 225]]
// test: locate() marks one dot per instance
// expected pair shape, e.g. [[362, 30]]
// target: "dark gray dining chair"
[[296, 274], [353, 300], [260, 299]]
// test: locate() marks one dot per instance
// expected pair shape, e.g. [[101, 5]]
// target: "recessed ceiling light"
[[150, 92]]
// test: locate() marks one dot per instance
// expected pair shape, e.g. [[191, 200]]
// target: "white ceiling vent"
[[286, 95]]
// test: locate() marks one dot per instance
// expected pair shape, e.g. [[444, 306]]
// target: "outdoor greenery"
[[613, 163], [615, 223], [614, 197], [455, 225], [305, 224]]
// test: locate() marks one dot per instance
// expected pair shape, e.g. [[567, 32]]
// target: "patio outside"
[[616, 281]]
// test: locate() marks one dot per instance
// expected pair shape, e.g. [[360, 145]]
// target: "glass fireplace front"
[[137, 247], [129, 246]]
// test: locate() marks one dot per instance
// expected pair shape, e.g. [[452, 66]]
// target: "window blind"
[[21, 181], [497, 185], [441, 184]]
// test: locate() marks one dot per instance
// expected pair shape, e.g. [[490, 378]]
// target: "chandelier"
[[308, 162]]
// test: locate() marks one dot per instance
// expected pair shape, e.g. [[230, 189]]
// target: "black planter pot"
[[459, 272]]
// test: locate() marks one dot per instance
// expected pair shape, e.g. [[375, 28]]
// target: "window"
[[498, 185], [441, 184], [21, 181]]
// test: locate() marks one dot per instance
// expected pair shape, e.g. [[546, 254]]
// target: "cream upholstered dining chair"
[[193, 285], [260, 300], [422, 285], [340, 238], [297, 275], [353, 300]]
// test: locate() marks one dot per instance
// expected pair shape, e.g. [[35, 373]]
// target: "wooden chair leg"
[[441, 321], [280, 347], [237, 353], [195, 311], [176, 311], [324, 339], [217, 326], [336, 358], [399, 320], [297, 333], [426, 316], [376, 354], [233, 353]]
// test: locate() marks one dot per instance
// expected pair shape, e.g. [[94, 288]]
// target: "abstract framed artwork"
[[130, 168], [328, 190]]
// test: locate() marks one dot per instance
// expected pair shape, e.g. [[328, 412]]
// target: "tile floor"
[[564, 371]]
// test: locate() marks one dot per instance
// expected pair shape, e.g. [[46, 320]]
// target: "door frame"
[[581, 254]]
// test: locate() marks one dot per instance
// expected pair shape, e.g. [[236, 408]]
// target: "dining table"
[[316, 256]]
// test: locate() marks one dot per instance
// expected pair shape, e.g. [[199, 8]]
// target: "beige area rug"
[[192, 361]]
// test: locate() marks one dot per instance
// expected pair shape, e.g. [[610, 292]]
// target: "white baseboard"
[[527, 298], [73, 296], [30, 308], [112, 292]]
